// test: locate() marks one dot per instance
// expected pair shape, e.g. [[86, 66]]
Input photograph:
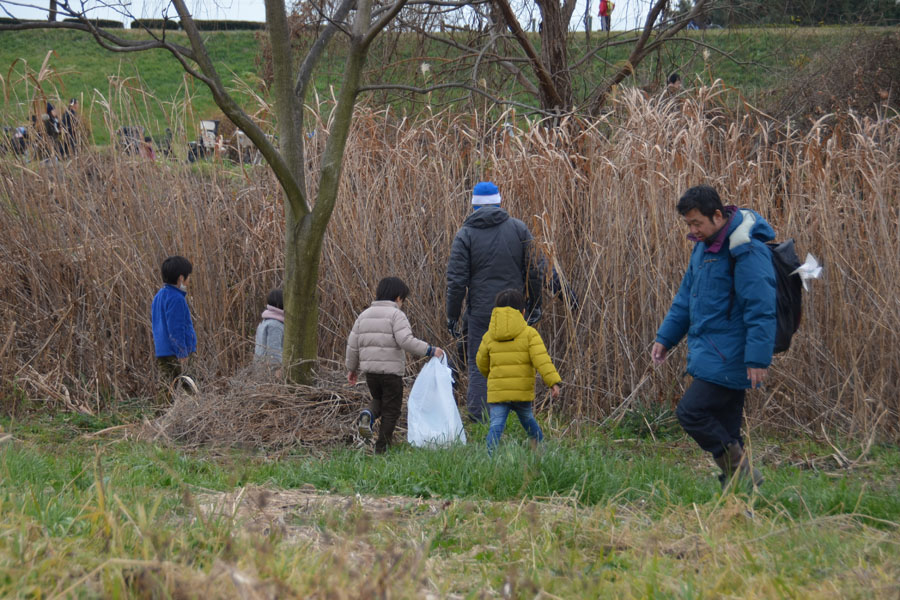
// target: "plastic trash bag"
[[433, 419]]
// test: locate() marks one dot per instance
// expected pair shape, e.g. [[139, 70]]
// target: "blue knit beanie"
[[485, 192]]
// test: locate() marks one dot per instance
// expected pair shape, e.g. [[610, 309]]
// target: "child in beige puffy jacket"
[[377, 346]]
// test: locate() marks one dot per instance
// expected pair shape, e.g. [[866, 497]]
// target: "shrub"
[[155, 24]]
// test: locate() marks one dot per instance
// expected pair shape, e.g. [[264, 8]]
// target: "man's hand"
[[756, 376], [554, 391], [659, 353], [438, 352], [352, 377], [451, 327]]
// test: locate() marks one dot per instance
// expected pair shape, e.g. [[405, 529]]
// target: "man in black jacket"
[[492, 252]]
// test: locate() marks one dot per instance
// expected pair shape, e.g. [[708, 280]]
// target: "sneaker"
[[364, 424]]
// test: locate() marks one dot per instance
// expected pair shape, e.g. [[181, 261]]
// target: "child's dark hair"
[[276, 298], [391, 288], [174, 267], [512, 298]]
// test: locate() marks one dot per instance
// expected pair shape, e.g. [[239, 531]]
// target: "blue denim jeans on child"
[[499, 412]]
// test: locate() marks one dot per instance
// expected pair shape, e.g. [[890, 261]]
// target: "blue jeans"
[[499, 413]]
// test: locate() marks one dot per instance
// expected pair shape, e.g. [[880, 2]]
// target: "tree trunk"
[[51, 16], [305, 235], [302, 252], [554, 54]]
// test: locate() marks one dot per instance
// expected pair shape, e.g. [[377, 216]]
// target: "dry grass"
[[81, 243], [253, 410]]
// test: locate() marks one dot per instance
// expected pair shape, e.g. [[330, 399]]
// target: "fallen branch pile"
[[251, 409]]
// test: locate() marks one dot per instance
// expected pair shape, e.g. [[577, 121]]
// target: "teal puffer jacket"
[[723, 343]]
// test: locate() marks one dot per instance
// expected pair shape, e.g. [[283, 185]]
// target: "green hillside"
[[754, 61], [83, 69]]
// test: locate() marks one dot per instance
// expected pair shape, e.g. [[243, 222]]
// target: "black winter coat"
[[492, 252]]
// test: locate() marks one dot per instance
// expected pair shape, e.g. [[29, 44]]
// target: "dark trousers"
[[387, 402], [476, 395], [712, 415], [169, 371]]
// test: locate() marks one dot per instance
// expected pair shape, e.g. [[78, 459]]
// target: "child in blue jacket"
[[173, 330]]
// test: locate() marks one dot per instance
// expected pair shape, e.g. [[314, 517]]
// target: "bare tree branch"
[[315, 52], [546, 81], [641, 49], [382, 22], [455, 85]]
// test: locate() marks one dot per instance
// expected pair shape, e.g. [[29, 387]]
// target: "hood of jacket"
[[746, 225], [486, 216], [506, 323]]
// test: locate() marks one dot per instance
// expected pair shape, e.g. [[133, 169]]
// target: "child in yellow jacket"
[[509, 353]]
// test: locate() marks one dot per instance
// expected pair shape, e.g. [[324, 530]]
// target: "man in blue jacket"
[[173, 331], [492, 252], [726, 307]]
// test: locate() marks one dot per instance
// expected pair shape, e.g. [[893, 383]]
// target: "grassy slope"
[[629, 517], [83, 69], [758, 60]]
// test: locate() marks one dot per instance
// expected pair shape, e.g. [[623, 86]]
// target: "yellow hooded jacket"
[[509, 353]]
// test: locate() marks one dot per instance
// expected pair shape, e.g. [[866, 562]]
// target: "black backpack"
[[788, 292]]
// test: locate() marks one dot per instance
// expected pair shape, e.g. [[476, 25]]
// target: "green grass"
[[83, 69], [754, 62], [607, 514]]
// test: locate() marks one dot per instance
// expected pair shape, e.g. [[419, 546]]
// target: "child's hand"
[[438, 352], [554, 391], [352, 378]]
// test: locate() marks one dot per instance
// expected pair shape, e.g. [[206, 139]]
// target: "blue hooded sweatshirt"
[[173, 330], [723, 343]]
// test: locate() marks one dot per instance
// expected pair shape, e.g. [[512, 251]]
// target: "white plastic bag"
[[433, 419]]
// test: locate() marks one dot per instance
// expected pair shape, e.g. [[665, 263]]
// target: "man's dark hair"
[[391, 288], [276, 298], [174, 267], [512, 298], [674, 78], [702, 197]]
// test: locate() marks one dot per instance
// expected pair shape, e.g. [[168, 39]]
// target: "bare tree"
[[547, 71], [306, 222]]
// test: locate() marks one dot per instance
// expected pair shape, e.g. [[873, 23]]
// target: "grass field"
[[91, 509], [754, 61], [613, 514]]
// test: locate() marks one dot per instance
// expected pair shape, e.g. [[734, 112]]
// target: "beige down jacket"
[[379, 338]]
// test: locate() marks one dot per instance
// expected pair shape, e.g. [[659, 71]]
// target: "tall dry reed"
[[81, 244]]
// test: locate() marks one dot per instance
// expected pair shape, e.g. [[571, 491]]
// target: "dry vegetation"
[[80, 245]]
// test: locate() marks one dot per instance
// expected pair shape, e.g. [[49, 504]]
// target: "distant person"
[[673, 83], [52, 130], [173, 330], [70, 127], [20, 141], [146, 149], [377, 346], [492, 252], [605, 14], [726, 307], [508, 356], [270, 331]]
